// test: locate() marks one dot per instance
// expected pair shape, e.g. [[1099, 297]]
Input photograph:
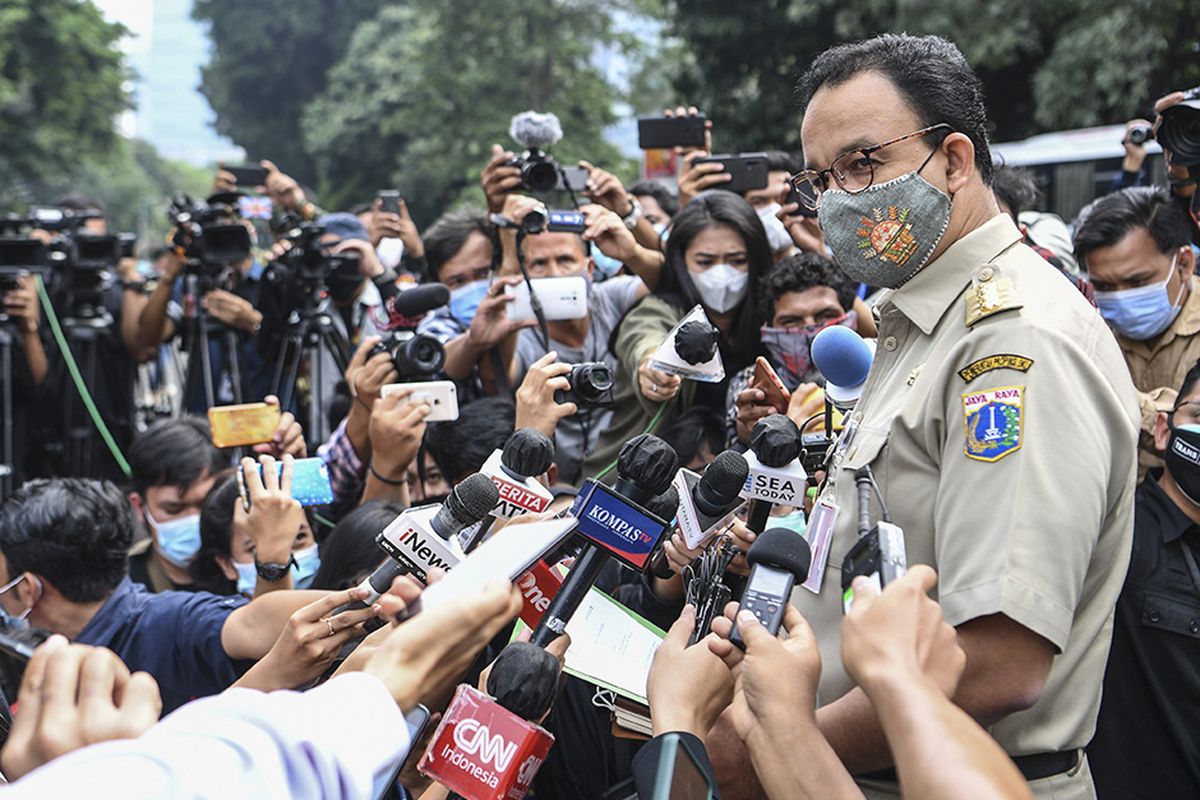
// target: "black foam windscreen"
[[665, 505], [420, 299], [720, 484], [524, 679], [696, 341], [648, 462], [775, 440], [527, 452], [469, 502], [783, 549]]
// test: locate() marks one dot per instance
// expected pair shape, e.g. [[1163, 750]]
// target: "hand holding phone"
[[308, 483], [245, 424], [389, 201], [248, 176], [769, 383]]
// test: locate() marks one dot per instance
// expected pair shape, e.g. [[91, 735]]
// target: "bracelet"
[[402, 482]]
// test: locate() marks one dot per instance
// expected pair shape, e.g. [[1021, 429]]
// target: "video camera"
[[1179, 132], [209, 234], [308, 264]]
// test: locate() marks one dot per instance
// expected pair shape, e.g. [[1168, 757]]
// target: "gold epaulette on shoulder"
[[990, 293]]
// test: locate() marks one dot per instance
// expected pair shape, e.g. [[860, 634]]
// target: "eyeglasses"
[[854, 171]]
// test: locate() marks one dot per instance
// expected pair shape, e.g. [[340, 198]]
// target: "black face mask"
[[342, 287], [1183, 460]]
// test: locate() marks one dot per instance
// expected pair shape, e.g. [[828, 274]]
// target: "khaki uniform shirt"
[[1001, 426], [1158, 367]]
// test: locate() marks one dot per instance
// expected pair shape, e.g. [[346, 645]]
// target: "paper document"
[[611, 646]]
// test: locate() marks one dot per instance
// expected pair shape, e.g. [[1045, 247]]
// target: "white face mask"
[[777, 234], [721, 286]]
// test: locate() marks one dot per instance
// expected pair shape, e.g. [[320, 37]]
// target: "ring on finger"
[[329, 622], [654, 388]]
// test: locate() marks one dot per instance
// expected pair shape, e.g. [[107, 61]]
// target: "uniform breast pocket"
[[1172, 614], [865, 449]]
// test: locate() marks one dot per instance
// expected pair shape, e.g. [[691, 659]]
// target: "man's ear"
[[1162, 433], [30, 590], [138, 503], [960, 161]]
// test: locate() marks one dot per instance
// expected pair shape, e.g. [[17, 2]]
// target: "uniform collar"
[[931, 292], [1172, 521]]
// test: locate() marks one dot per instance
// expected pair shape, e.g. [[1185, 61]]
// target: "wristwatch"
[[635, 213], [273, 571]]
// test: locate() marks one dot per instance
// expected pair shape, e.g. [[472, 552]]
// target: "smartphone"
[[442, 397], [657, 132], [749, 171], [310, 482], [389, 201], [561, 298], [766, 379], [248, 175], [248, 423], [679, 775], [794, 196], [576, 179], [255, 207]]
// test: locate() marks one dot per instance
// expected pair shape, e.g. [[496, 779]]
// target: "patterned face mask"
[[885, 234], [790, 349]]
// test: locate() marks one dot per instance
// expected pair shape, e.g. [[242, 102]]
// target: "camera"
[[415, 356], [309, 265], [539, 221], [539, 170], [591, 386], [1179, 131], [814, 448], [1141, 134], [209, 234]]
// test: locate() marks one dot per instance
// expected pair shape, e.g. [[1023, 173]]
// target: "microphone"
[[690, 350], [844, 358], [424, 537], [708, 502], [615, 521], [513, 469], [406, 308], [524, 679], [696, 341], [535, 131], [774, 475], [778, 559]]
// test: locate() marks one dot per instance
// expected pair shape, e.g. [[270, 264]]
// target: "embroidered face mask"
[[790, 348], [885, 234], [1144, 312]]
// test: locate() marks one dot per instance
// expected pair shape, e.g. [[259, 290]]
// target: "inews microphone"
[[425, 537], [774, 476], [844, 358], [405, 309], [707, 502], [778, 559], [513, 468], [615, 521]]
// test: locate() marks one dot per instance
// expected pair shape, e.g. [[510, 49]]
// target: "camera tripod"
[[7, 457], [310, 332], [199, 328], [86, 333]]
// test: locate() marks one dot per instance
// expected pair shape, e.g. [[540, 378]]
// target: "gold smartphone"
[[249, 423]]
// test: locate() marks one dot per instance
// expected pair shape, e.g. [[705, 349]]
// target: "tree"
[[426, 88], [1044, 66], [61, 88], [269, 58]]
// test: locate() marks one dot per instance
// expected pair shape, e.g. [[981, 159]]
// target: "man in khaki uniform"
[[998, 418], [1136, 245]]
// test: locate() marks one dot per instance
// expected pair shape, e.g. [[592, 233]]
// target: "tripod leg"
[[285, 382], [6, 408], [235, 372], [206, 365]]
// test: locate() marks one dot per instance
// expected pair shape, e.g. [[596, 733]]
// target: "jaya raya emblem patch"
[[888, 237], [994, 424]]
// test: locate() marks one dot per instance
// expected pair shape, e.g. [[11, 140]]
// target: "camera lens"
[[1180, 134], [1141, 135], [591, 382], [540, 176], [420, 355]]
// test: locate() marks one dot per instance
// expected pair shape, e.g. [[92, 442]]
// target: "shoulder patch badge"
[[993, 422], [999, 361]]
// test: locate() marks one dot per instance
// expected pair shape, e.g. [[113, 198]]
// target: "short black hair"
[[216, 533], [1016, 187], [459, 448], [174, 452], [361, 208], [79, 202], [74, 532], [779, 161], [1189, 380], [692, 430], [662, 195], [801, 272], [929, 71], [450, 232], [1110, 219], [350, 553]]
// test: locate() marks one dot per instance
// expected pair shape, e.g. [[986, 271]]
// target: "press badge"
[[820, 536]]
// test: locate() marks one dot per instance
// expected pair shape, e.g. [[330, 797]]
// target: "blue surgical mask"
[[20, 621], [793, 520], [247, 578], [1144, 312], [662, 230], [605, 265], [308, 561], [465, 300], [178, 539]]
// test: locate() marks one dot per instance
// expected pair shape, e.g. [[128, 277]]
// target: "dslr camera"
[[591, 386], [209, 235], [539, 170], [1179, 132], [416, 356]]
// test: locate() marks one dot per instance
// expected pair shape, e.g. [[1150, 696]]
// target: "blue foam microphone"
[[844, 358]]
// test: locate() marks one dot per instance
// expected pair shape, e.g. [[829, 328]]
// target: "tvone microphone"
[[707, 502], [778, 559], [774, 476], [615, 521], [425, 537], [844, 358], [513, 468]]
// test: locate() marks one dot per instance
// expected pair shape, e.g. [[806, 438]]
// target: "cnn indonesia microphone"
[[778, 559], [707, 503], [615, 521], [775, 476], [527, 454], [488, 748]]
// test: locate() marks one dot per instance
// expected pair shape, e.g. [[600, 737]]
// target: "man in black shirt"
[[1147, 742]]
